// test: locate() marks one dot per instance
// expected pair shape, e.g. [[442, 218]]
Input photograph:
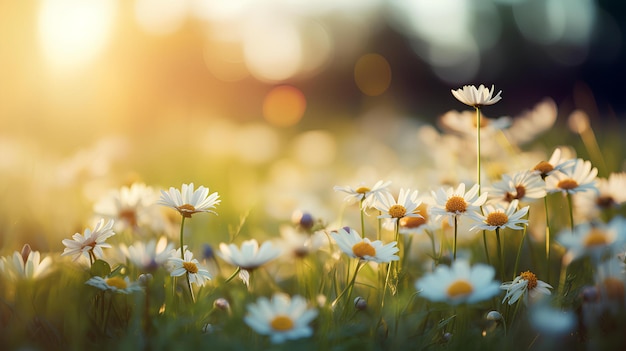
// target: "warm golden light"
[[72, 32], [284, 106], [372, 74]]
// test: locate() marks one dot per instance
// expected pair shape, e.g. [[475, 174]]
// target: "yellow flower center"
[[596, 237], [544, 168], [129, 216], [116, 282], [497, 219], [397, 211], [614, 288], [186, 210], [520, 191], [281, 323], [531, 278], [456, 204], [363, 249], [412, 222], [567, 184], [363, 190], [459, 288], [190, 267]]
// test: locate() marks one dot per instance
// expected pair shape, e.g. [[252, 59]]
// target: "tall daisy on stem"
[[453, 203], [498, 217], [366, 196], [188, 202]]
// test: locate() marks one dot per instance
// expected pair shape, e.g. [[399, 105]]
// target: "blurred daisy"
[[189, 201], [459, 283], [476, 97], [91, 243], [282, 318], [26, 264], [525, 285], [416, 225], [525, 186], [593, 239], [577, 178], [190, 266], [549, 320], [115, 284], [464, 123], [453, 203], [131, 207], [353, 245], [556, 163], [368, 196], [500, 216], [300, 244], [149, 256], [406, 205], [250, 256], [611, 194]]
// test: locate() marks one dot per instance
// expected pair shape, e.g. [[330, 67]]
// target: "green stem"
[[232, 276], [519, 251], [485, 245], [350, 285], [182, 247], [362, 217], [455, 233], [571, 211], [545, 205], [478, 147], [500, 254]]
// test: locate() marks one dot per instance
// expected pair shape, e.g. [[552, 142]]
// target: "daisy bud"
[[26, 250], [222, 304], [360, 303], [494, 316], [144, 279], [447, 336], [207, 252], [303, 219]]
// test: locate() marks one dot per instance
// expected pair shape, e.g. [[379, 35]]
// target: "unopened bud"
[[360, 303], [26, 250], [222, 303], [145, 279], [494, 316]]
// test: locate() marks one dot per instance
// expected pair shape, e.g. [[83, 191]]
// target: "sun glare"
[[73, 32]]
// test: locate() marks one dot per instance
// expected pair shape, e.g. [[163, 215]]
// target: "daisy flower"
[[459, 283], [577, 178], [148, 256], [556, 163], [464, 123], [353, 245], [593, 239], [250, 256], [456, 202], [525, 285], [282, 318], [27, 264], [300, 244], [611, 194], [548, 320], [190, 266], [406, 205], [189, 201], [131, 207], [500, 216], [91, 243], [114, 284], [368, 196], [416, 225], [476, 97], [525, 186]]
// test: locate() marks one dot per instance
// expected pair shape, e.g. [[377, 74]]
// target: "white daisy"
[[91, 243], [367, 195], [525, 285], [525, 186], [250, 256], [282, 318], [456, 202], [593, 239], [190, 266], [557, 163], [611, 194], [352, 244], [459, 283], [476, 97], [416, 225], [500, 216], [148, 256], [115, 284], [132, 207], [464, 123], [189, 201], [27, 264], [577, 178], [552, 321], [406, 205]]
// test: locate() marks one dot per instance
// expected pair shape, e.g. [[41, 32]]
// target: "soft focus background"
[[268, 102]]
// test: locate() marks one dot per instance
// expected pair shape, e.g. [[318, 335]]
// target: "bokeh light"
[[372, 74], [284, 106]]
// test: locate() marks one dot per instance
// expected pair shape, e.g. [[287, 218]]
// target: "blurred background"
[[172, 91]]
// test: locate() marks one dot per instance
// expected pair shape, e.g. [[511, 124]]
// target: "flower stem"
[[182, 247], [519, 251], [545, 205], [455, 234], [362, 218], [478, 147], [571, 211], [500, 254], [232, 276]]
